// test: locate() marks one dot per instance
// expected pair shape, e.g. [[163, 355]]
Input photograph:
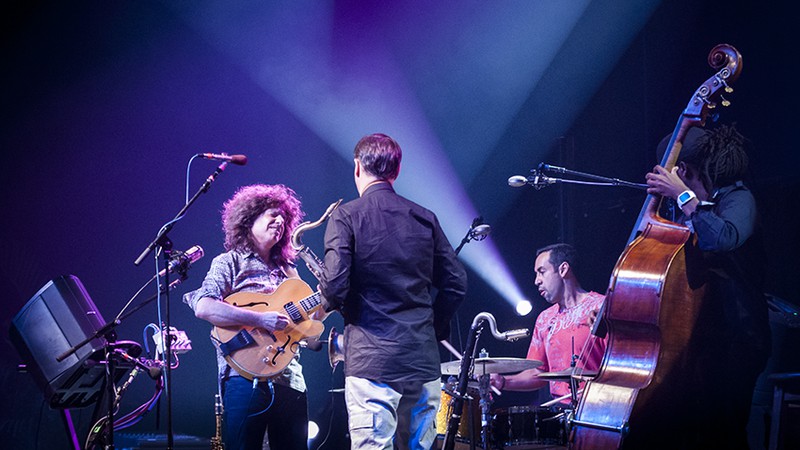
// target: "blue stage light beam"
[[335, 67]]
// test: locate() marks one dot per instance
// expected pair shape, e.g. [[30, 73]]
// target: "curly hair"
[[247, 204]]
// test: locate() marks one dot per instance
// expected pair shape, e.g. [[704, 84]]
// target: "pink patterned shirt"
[[552, 341]]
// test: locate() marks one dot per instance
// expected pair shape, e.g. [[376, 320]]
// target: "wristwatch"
[[685, 197]]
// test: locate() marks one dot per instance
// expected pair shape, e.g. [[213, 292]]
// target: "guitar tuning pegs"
[[725, 102], [728, 89]]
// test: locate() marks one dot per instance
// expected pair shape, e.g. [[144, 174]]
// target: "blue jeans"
[[248, 414], [384, 415]]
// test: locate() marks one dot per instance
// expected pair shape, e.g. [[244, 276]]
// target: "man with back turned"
[[384, 255]]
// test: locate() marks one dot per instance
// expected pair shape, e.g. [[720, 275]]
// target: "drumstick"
[[556, 400], [452, 349]]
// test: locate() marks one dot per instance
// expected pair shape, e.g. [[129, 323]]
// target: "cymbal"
[[566, 374], [492, 365]]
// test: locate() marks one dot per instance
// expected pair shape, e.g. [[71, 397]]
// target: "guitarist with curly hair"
[[258, 221]]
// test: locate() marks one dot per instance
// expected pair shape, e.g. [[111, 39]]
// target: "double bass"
[[656, 339]]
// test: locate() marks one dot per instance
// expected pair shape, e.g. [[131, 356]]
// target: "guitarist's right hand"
[[273, 321]]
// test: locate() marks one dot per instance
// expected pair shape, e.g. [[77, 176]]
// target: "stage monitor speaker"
[[54, 320]]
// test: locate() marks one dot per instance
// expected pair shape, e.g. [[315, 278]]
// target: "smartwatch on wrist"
[[685, 197]]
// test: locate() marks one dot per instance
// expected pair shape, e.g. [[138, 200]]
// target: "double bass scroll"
[[654, 299]]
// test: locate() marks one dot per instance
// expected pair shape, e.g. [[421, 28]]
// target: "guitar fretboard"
[[308, 304]]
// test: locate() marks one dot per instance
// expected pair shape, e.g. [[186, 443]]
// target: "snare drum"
[[519, 425], [470, 411]]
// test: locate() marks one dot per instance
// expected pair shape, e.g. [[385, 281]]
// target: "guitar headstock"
[[728, 61]]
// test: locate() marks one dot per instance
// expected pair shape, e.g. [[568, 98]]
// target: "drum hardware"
[[530, 427], [467, 428], [558, 400], [567, 375], [470, 365], [455, 353], [485, 366]]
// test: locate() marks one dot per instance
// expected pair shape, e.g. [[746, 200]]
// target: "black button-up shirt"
[[383, 256]]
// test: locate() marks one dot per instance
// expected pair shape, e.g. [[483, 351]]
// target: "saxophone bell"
[[335, 348]]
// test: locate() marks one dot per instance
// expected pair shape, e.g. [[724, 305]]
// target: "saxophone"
[[313, 263], [216, 441]]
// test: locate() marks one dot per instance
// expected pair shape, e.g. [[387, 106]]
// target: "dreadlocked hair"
[[721, 156]]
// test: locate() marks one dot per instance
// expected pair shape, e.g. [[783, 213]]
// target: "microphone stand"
[[162, 240], [109, 334], [601, 180], [471, 233], [461, 389]]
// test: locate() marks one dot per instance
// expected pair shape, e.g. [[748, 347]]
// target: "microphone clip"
[[180, 261], [478, 230]]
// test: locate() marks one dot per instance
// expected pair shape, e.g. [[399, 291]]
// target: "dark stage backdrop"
[[104, 103]]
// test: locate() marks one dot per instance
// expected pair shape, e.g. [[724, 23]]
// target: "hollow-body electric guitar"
[[258, 353]]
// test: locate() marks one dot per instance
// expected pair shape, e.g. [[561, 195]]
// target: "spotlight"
[[524, 308], [313, 429]]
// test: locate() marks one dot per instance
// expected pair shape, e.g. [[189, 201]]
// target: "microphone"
[[312, 344], [537, 180], [152, 368], [183, 260], [517, 181], [513, 335], [239, 160], [480, 231]]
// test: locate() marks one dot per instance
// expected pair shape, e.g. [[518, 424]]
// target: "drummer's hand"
[[497, 380]]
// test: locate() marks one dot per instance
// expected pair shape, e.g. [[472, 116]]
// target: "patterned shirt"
[[552, 341], [236, 271]]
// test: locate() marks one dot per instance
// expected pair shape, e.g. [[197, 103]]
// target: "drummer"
[[562, 330]]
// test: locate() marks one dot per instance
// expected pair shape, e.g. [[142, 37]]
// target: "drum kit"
[[516, 427]]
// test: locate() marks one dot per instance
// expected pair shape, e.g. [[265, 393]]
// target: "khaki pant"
[[398, 415]]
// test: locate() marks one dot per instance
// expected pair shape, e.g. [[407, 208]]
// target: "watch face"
[[684, 197]]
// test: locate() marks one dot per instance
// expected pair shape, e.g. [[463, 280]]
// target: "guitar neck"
[[309, 305]]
